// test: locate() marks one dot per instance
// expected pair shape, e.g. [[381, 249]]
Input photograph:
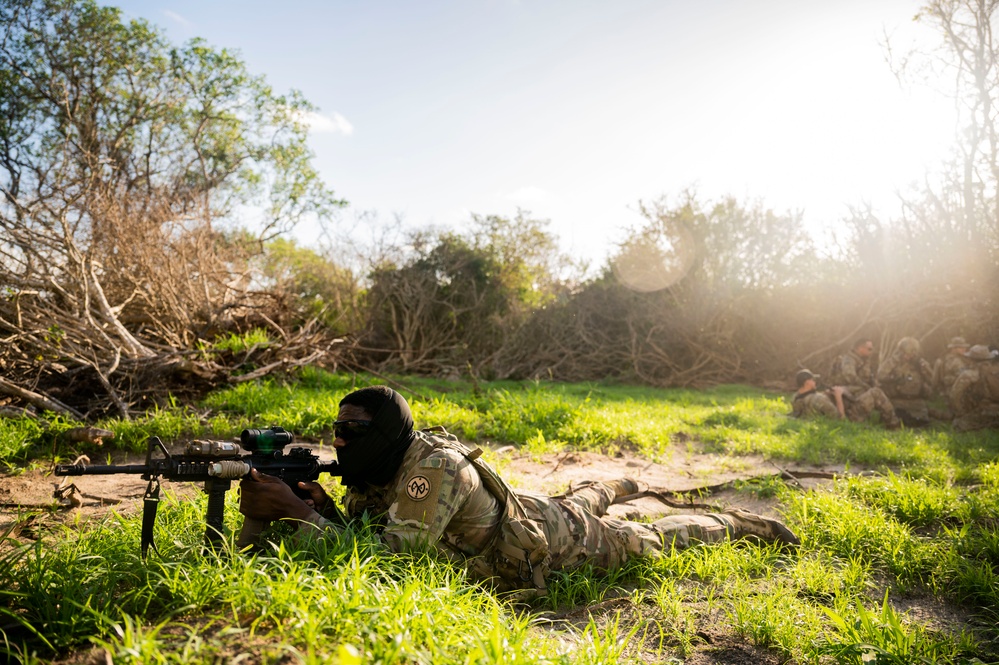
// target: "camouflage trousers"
[[861, 406], [983, 416], [912, 411], [579, 532]]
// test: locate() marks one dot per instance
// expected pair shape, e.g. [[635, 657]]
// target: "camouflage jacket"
[[444, 498], [974, 387], [813, 403], [906, 379], [435, 498], [853, 373], [947, 369]]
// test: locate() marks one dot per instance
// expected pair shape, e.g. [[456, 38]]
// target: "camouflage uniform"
[[853, 372], [439, 499], [974, 397], [858, 410], [813, 403], [860, 407], [907, 380], [948, 369], [948, 366], [579, 532]]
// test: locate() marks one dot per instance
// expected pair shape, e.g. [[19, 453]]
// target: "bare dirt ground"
[[28, 507], [32, 492]]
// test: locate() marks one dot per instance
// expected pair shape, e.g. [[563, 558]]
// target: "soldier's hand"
[[268, 498], [318, 495]]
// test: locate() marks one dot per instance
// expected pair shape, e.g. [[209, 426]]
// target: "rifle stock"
[[217, 464]]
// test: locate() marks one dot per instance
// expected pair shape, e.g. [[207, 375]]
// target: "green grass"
[[924, 530]]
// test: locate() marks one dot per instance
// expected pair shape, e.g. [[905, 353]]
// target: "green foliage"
[[343, 595], [732, 246], [916, 502], [775, 618], [17, 435], [912, 529], [456, 299], [883, 638], [194, 114], [322, 290], [236, 343], [131, 168]]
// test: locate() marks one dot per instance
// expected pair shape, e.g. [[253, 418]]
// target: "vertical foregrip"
[[216, 489]]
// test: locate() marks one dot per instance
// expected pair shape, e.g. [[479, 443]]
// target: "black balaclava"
[[375, 457]]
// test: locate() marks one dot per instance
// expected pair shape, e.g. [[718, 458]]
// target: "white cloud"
[[328, 124], [174, 16]]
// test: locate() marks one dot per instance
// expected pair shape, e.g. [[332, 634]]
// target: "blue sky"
[[576, 110]]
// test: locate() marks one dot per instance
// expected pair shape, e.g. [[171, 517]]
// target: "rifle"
[[217, 463], [828, 390]]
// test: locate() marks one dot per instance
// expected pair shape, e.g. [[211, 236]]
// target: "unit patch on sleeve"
[[419, 498], [418, 488]]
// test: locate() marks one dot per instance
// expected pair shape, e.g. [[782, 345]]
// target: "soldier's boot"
[[750, 525], [622, 486]]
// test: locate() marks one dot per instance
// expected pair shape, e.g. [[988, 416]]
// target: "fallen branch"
[[16, 412], [267, 369], [663, 494], [39, 400]]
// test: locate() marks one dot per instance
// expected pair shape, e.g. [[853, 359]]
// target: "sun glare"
[[844, 132]]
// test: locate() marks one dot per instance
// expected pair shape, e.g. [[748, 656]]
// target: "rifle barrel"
[[99, 469]]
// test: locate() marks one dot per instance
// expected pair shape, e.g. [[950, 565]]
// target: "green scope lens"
[[272, 438]]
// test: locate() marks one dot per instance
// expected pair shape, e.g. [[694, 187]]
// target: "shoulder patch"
[[418, 488], [419, 498]]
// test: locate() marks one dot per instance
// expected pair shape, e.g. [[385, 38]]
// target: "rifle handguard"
[[229, 469]]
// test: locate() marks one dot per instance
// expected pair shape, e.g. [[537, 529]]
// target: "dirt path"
[[32, 491]]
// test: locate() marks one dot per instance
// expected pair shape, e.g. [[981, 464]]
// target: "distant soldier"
[[907, 380], [833, 402], [950, 365], [975, 394], [853, 369]]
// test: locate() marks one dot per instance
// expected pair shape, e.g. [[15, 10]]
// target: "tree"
[[123, 162], [931, 269], [314, 286], [452, 303], [727, 245], [963, 64]]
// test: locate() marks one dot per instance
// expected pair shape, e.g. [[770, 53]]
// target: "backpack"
[[517, 557]]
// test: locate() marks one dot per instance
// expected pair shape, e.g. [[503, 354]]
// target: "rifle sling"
[[150, 502]]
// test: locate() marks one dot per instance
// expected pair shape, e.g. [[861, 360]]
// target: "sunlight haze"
[[576, 111]]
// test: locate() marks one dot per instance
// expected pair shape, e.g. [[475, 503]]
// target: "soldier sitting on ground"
[[947, 368], [974, 397], [431, 491], [853, 369], [907, 380], [836, 402]]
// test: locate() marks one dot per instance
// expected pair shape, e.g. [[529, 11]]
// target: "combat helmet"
[[908, 346]]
